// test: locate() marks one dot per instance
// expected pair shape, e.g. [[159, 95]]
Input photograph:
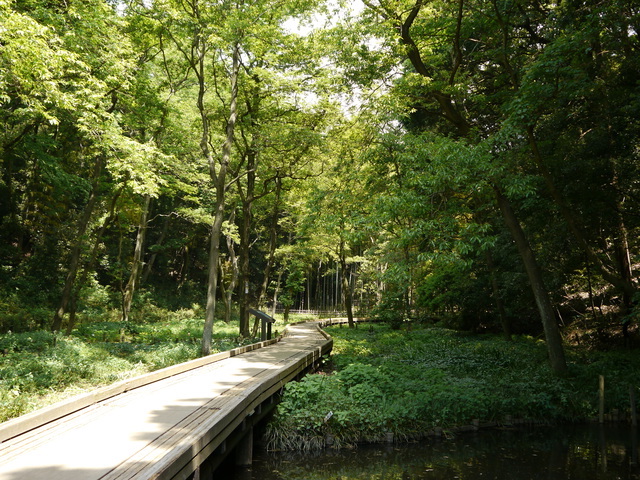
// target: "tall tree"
[[219, 43], [435, 83]]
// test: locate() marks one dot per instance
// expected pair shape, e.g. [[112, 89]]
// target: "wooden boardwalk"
[[163, 425]]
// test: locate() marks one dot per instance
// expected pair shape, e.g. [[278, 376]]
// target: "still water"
[[575, 452]]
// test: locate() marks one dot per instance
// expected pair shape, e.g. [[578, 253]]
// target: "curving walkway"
[[163, 425]]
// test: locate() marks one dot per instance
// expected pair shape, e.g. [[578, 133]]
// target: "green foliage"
[[408, 382], [17, 317], [391, 310]]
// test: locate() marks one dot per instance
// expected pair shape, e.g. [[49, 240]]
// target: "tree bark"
[[273, 237], [276, 292], [346, 285], [623, 256], [136, 264], [543, 302], [245, 241], [448, 108], [495, 287], [622, 282], [148, 267], [219, 180], [229, 291], [90, 263]]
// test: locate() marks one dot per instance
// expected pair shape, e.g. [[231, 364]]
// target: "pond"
[[583, 452]]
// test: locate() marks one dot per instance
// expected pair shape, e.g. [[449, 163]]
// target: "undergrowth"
[[407, 383]]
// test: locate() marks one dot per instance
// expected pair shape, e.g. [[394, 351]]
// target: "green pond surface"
[[583, 452]]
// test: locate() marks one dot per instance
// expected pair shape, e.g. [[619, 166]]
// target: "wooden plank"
[[165, 463], [164, 428], [206, 431]]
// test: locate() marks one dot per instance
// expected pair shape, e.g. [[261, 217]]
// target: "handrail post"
[[266, 321]]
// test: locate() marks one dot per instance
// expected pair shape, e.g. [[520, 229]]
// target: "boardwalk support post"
[[244, 450]]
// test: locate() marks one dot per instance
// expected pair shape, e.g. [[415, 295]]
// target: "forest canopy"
[[471, 162]]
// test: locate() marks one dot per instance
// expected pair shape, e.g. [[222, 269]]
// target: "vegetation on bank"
[[40, 368], [412, 380]]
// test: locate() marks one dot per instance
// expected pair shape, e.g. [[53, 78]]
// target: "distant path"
[[164, 427]]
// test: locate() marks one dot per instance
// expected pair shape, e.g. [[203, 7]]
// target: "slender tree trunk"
[[317, 299], [346, 286], [148, 267], [337, 294], [76, 250], [245, 242], [504, 321], [545, 308], [136, 264], [185, 266], [592, 302], [276, 292], [273, 240], [619, 281], [219, 180], [230, 290], [212, 283], [621, 244]]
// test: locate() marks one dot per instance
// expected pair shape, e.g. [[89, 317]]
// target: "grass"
[[40, 368], [410, 382]]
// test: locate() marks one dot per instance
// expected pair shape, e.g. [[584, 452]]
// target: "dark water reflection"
[[581, 453]]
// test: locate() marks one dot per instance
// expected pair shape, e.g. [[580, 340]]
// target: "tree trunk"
[[346, 286], [504, 321], [621, 243], [552, 333], [136, 264], [273, 240], [148, 267], [276, 292], [76, 250], [623, 256], [245, 241], [618, 281], [229, 291], [219, 180]]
